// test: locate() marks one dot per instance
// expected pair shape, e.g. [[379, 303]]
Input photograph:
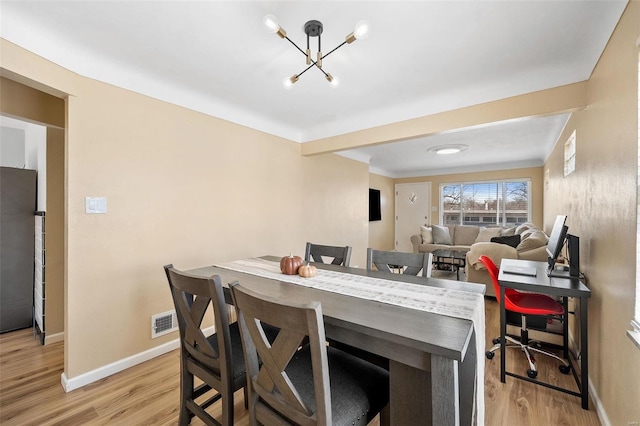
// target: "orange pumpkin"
[[289, 264], [307, 271]]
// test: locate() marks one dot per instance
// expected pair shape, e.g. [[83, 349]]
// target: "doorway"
[[413, 209]]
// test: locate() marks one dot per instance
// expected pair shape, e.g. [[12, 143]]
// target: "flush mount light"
[[448, 149], [314, 28]]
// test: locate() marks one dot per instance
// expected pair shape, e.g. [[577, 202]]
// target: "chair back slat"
[[411, 263], [337, 255]]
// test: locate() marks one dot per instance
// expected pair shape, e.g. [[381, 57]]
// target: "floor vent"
[[163, 323]]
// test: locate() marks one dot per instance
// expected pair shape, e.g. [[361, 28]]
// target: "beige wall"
[[600, 201], [181, 187], [533, 173], [382, 233]]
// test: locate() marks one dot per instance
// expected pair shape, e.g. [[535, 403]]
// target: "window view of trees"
[[485, 203]]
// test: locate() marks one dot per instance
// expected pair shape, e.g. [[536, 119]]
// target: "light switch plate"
[[95, 205]]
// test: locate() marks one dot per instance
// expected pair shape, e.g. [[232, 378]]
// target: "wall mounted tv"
[[375, 212]]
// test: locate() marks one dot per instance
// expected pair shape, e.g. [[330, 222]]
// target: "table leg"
[[565, 328], [503, 333], [584, 353]]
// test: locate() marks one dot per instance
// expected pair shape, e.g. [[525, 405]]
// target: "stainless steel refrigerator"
[[17, 241]]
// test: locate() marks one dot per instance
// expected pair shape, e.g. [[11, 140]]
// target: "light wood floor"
[[31, 393]]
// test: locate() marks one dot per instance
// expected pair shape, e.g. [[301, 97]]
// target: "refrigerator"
[[17, 244]]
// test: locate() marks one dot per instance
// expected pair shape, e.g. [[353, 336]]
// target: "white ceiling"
[[422, 57]]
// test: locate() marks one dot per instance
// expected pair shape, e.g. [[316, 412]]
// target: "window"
[[485, 203], [570, 154]]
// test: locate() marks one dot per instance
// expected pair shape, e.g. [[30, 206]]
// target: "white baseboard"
[[600, 411], [54, 338], [77, 382], [602, 414]]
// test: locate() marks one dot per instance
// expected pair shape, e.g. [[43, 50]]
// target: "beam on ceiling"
[[558, 100]]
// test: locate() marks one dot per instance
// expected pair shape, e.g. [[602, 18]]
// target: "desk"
[[563, 287], [432, 358]]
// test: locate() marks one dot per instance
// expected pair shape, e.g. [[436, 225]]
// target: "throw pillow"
[[427, 235], [535, 240], [510, 240], [441, 235], [486, 234], [521, 228], [508, 232]]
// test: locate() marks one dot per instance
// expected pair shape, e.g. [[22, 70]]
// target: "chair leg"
[[186, 393], [563, 361], [227, 408]]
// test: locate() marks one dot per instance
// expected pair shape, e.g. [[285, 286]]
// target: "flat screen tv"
[[556, 240], [375, 212]]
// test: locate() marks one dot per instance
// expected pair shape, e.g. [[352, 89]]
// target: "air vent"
[[163, 323]]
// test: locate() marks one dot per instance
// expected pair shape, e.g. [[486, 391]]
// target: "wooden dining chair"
[[298, 383], [407, 263], [217, 360], [337, 255]]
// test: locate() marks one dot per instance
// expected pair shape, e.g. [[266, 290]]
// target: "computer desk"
[[553, 286]]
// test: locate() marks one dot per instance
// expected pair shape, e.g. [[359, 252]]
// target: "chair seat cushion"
[[237, 353], [359, 389]]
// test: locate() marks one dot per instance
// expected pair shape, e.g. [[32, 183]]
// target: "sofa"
[[532, 245], [525, 241], [454, 237]]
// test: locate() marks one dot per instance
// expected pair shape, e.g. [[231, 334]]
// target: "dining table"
[[431, 330]]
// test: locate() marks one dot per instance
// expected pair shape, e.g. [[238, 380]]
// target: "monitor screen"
[[375, 212], [556, 239]]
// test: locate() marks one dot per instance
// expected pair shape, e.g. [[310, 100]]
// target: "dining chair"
[[407, 263], [217, 360], [305, 384], [525, 304], [338, 255]]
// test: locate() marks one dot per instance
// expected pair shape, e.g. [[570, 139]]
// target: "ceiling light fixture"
[[314, 28], [448, 149]]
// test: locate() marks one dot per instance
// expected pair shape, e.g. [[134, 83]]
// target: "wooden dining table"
[[432, 357]]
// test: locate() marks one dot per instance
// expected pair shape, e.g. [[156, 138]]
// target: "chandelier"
[[313, 28]]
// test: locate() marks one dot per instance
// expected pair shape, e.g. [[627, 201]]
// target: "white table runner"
[[437, 300]]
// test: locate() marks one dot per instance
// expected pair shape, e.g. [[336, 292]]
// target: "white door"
[[413, 209]]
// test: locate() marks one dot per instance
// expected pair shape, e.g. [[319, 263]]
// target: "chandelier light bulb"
[[288, 82], [332, 80], [362, 30], [271, 23]]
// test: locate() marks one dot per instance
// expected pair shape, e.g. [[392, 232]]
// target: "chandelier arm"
[[335, 48], [296, 46]]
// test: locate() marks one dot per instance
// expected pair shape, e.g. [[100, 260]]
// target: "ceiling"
[[421, 58]]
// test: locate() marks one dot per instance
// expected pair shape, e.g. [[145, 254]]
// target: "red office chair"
[[524, 304]]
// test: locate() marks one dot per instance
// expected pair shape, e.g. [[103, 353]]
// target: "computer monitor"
[[556, 240]]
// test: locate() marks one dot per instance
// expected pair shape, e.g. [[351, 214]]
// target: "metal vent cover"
[[163, 323]]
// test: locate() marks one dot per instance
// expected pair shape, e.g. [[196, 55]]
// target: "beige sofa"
[[533, 246], [462, 237]]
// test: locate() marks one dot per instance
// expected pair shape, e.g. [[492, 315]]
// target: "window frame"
[[502, 182], [570, 154]]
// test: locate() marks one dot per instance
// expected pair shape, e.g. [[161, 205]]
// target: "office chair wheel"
[[496, 340], [532, 373], [564, 369], [489, 354]]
